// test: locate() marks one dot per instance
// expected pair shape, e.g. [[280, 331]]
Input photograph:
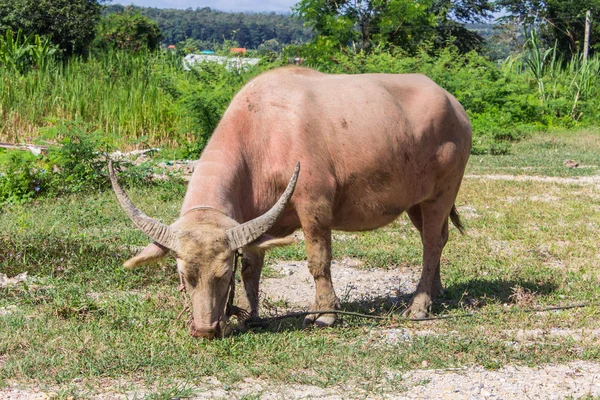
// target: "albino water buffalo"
[[370, 147]]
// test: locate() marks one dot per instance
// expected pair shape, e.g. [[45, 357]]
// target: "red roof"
[[171, 46], [238, 50]]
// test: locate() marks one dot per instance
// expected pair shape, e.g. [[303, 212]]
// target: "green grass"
[[81, 316], [544, 155], [125, 95]]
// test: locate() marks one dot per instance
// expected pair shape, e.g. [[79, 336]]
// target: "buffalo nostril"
[[205, 333]]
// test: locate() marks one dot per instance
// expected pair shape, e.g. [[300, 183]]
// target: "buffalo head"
[[204, 240]]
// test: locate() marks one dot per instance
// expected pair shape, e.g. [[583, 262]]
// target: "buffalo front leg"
[[318, 251], [252, 264], [434, 236]]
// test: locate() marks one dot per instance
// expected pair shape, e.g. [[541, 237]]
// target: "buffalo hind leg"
[[416, 218], [318, 251], [252, 264], [434, 235]]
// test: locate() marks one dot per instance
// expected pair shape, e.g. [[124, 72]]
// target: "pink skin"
[[370, 146], [208, 310]]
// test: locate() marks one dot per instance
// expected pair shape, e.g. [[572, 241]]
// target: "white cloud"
[[223, 5]]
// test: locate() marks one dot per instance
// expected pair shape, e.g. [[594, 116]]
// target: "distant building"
[[171, 47], [238, 50], [207, 52], [231, 63], [296, 60]]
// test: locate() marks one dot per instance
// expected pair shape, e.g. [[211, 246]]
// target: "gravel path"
[[576, 379], [295, 287], [581, 180], [186, 168]]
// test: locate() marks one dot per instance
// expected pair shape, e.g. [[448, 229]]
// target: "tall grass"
[[118, 92], [568, 89], [148, 98]]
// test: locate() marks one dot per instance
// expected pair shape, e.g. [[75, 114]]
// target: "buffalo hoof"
[[320, 321], [414, 314], [419, 307]]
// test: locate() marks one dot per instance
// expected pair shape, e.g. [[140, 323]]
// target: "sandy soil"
[[577, 379], [295, 288]]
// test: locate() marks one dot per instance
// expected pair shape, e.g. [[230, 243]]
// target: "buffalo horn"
[[248, 232], [160, 233]]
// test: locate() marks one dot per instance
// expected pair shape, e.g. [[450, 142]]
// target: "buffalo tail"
[[456, 220]]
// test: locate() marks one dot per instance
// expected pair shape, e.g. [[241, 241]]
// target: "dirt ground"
[[576, 380]]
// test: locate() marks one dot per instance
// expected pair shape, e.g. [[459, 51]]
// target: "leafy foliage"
[[128, 30], [19, 182], [209, 97], [408, 25], [69, 23], [559, 21], [76, 164], [206, 27], [503, 102], [19, 53]]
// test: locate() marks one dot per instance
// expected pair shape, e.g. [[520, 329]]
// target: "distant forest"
[[210, 26]]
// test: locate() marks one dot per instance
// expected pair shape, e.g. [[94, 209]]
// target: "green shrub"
[[212, 88], [128, 30], [76, 164], [20, 181], [70, 24]]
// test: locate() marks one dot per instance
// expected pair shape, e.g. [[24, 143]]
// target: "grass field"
[[80, 320]]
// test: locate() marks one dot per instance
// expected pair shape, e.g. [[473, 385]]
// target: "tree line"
[[207, 26], [414, 25], [315, 27]]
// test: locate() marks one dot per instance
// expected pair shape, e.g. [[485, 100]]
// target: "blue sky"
[[223, 5]]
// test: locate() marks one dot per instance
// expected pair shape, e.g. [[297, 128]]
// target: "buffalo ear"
[[152, 252], [266, 242]]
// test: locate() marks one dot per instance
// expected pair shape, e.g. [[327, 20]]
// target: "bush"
[[76, 165], [19, 179], [128, 30], [504, 101], [71, 24], [207, 97]]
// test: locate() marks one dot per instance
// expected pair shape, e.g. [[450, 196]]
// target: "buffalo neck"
[[218, 179]]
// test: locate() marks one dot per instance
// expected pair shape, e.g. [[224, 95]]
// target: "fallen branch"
[[35, 149]]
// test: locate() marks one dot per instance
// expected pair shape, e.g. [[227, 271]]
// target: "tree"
[[398, 23], [69, 23], [559, 21], [367, 23], [209, 27], [128, 30], [451, 15]]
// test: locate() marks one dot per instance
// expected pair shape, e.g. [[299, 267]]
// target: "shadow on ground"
[[469, 296]]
